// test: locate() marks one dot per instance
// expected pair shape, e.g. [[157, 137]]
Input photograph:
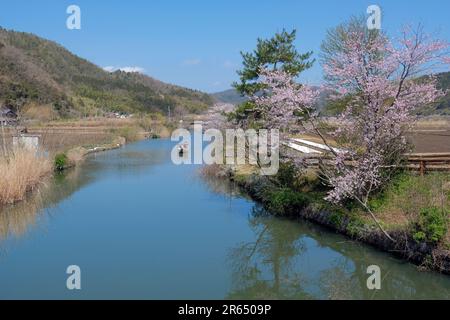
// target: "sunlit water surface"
[[140, 227]]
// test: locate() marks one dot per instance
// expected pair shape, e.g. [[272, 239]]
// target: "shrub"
[[256, 186], [336, 219], [355, 226], [61, 161], [287, 174], [286, 202], [431, 225]]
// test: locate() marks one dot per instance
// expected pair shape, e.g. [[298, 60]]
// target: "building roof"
[[7, 112]]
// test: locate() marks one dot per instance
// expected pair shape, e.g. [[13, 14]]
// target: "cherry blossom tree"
[[383, 83]]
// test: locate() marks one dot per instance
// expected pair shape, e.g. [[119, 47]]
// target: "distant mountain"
[[442, 105], [35, 70], [229, 96]]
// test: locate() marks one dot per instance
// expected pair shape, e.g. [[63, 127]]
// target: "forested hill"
[[41, 72], [229, 96], [442, 106]]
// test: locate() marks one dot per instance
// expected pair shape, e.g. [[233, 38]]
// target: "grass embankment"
[[62, 135], [414, 209], [69, 141], [65, 143]]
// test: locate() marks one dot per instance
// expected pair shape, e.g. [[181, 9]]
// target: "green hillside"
[[36, 70]]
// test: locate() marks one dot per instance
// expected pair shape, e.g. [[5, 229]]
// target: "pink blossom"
[[380, 78]]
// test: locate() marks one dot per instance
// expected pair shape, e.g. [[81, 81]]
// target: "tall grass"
[[130, 133], [21, 171]]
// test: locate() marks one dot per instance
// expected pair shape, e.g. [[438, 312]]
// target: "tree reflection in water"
[[265, 269], [16, 220], [297, 260]]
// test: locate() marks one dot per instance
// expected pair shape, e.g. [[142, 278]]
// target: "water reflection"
[[16, 220], [290, 260], [219, 186], [167, 233], [300, 260], [265, 268], [126, 161]]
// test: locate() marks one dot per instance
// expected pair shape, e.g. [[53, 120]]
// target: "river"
[[140, 227]]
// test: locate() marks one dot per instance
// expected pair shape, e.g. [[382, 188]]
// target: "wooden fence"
[[422, 162], [316, 154]]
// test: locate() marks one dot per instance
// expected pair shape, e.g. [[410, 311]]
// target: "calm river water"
[[140, 227]]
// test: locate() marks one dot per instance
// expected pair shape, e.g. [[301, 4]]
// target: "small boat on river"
[[182, 149]]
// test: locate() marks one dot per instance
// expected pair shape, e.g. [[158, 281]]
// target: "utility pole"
[[168, 107]]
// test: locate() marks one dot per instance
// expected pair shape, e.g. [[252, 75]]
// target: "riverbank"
[[63, 144], [24, 170], [413, 209]]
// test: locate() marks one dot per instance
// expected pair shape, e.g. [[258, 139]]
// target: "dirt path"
[[427, 141]]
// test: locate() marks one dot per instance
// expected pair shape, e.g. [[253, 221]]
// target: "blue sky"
[[197, 43]]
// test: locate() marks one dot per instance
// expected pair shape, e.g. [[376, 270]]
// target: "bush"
[[356, 226], [61, 161], [431, 225], [287, 175], [286, 202], [256, 186], [336, 219]]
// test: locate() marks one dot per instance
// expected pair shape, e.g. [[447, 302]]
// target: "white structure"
[[316, 145], [27, 141], [302, 149]]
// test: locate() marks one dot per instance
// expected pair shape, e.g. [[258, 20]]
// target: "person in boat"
[[182, 149]]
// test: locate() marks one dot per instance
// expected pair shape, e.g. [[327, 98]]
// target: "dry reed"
[[21, 171]]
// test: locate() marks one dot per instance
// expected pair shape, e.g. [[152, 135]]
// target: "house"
[[7, 117]]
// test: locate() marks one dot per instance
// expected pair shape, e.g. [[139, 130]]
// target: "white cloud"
[[191, 62], [109, 69], [124, 69]]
